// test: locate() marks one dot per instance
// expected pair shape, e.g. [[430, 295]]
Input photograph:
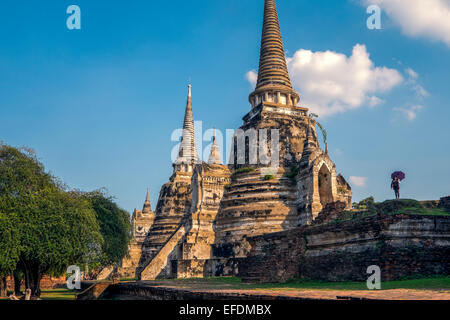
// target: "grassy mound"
[[391, 206]]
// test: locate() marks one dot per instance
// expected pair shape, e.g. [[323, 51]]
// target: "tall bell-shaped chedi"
[[278, 178], [175, 196], [265, 197]]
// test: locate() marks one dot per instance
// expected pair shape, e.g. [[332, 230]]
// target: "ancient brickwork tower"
[[141, 221], [278, 178]]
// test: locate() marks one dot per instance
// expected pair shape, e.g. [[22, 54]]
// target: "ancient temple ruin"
[[278, 178], [141, 221]]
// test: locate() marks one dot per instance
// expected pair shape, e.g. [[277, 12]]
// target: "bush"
[[268, 177], [366, 204]]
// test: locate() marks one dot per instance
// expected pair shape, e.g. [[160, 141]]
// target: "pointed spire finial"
[[272, 63], [188, 152], [147, 206], [273, 82], [214, 157]]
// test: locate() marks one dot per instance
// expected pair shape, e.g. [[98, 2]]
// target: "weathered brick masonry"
[[401, 245]]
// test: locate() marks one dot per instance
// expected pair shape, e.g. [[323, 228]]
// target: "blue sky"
[[99, 104]]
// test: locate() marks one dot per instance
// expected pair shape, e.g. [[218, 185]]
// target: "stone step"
[[160, 260], [238, 192], [257, 200]]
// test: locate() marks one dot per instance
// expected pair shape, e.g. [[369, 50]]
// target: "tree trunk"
[[17, 285], [35, 285], [3, 287], [33, 278], [27, 279]]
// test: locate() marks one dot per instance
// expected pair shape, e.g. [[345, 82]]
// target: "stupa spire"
[[188, 152], [147, 207], [214, 157], [310, 144], [274, 84]]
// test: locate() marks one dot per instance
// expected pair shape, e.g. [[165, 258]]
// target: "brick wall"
[[47, 282], [401, 245]]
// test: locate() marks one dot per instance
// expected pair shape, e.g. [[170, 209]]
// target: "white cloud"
[[412, 81], [426, 18], [420, 91], [409, 113], [411, 73], [331, 82], [358, 181], [252, 77], [374, 101]]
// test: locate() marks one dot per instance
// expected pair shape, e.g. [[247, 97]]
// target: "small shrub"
[[268, 177], [243, 170], [367, 204]]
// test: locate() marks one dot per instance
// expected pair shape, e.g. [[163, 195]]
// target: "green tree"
[[115, 227], [9, 249], [55, 229], [366, 204]]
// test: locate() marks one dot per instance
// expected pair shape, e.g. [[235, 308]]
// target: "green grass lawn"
[[423, 211], [58, 294], [53, 294], [230, 283]]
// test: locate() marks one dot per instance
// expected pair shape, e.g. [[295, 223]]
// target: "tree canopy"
[[115, 227], [44, 228]]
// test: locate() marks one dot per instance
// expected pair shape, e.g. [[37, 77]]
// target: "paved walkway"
[[394, 294]]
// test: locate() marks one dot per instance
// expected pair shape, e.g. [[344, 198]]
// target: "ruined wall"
[[401, 245], [47, 282]]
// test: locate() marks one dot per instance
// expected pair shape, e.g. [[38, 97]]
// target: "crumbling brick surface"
[[401, 245], [329, 212]]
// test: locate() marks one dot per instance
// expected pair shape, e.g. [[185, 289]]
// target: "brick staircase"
[[162, 258]]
